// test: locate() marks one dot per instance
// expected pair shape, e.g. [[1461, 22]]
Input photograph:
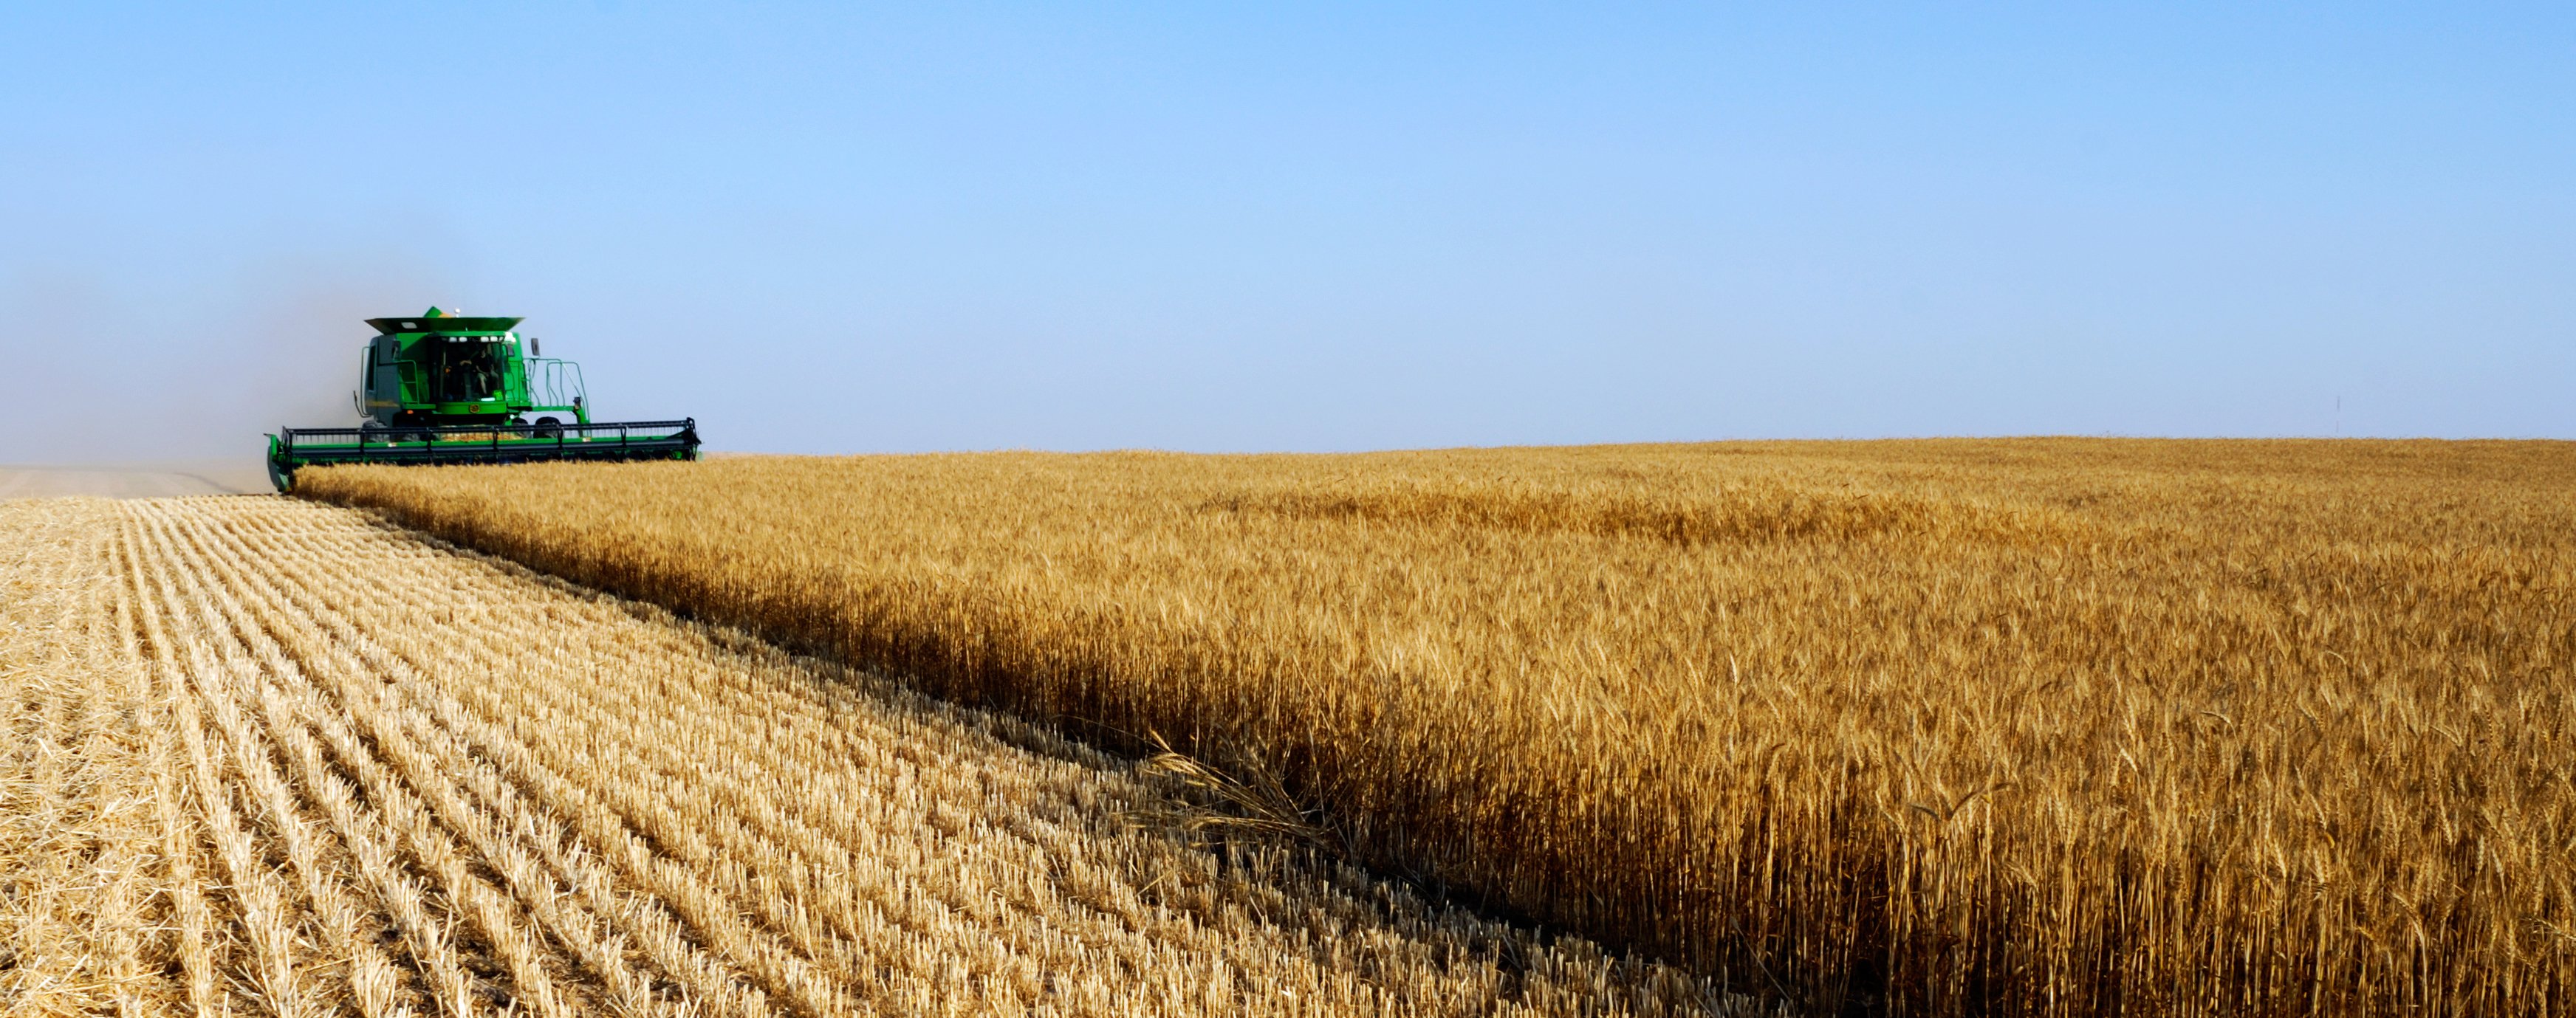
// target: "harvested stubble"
[[85, 851], [2007, 727], [273, 757]]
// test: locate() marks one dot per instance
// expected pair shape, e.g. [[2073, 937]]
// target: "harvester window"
[[467, 373]]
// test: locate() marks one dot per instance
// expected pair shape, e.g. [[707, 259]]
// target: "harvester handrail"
[[560, 384]]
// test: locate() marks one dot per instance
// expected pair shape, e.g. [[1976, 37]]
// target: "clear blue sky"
[[1236, 227]]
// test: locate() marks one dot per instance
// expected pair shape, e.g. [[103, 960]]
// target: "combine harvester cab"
[[441, 388]]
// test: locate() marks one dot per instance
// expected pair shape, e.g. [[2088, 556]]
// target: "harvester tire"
[[548, 427]]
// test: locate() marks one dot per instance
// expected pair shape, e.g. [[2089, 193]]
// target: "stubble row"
[[350, 771]]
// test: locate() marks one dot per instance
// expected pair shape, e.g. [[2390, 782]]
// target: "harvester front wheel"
[[549, 427]]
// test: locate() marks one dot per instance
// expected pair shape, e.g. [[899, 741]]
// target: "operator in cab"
[[468, 379]]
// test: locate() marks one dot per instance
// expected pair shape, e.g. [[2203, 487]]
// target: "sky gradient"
[[1319, 227]]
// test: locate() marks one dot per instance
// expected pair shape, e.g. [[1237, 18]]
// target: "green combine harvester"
[[441, 388]]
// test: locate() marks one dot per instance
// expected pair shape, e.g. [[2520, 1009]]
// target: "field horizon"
[[132, 477]]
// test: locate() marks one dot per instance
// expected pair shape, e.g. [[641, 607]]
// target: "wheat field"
[[270, 757], [2063, 727]]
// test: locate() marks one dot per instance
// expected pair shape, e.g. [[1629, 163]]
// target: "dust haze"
[[100, 374]]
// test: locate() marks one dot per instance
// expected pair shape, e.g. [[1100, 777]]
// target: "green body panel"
[[441, 369]]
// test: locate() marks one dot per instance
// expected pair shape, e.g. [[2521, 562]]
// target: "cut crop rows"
[[273, 757]]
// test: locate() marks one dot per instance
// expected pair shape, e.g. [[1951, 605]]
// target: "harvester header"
[[446, 388]]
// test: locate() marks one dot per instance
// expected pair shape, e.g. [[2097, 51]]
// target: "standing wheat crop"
[[2012, 727]]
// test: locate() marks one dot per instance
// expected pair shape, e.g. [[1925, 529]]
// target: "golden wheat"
[[2013, 727], [277, 758]]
